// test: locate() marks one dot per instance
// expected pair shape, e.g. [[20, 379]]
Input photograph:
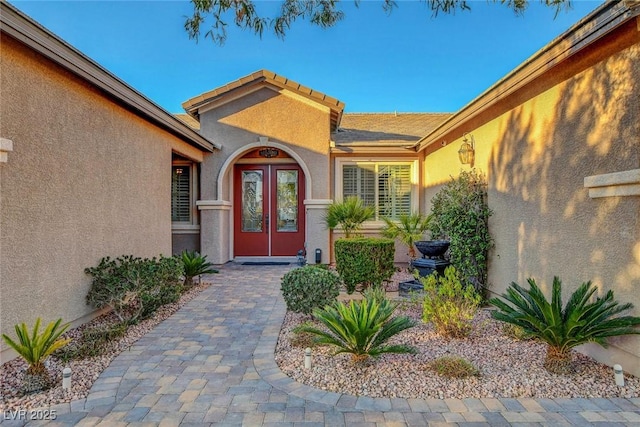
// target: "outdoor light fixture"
[[269, 152], [467, 150]]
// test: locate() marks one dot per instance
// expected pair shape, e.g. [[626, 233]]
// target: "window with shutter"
[[360, 181], [386, 185], [394, 190], [181, 194]]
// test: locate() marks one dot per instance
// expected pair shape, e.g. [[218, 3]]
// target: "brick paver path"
[[212, 364]]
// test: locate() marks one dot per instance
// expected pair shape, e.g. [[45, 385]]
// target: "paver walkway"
[[212, 364]]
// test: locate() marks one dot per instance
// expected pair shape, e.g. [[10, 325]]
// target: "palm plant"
[[34, 348], [361, 328], [348, 215], [581, 321], [408, 229], [195, 265]]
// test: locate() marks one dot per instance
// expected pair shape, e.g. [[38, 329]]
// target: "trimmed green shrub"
[[448, 304], [134, 287], [582, 320], [364, 261], [361, 328], [309, 287], [164, 287]]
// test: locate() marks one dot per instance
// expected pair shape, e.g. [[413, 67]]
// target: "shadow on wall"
[[549, 225]]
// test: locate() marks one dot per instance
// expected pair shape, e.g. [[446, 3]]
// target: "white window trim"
[[183, 227], [347, 161]]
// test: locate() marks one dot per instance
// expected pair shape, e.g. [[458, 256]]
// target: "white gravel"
[[509, 368], [84, 372]]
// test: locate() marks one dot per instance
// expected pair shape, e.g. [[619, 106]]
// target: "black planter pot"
[[432, 248]]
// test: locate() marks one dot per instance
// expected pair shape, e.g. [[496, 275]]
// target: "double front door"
[[268, 210]]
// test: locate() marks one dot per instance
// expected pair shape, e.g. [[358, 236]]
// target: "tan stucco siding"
[[537, 154], [85, 179], [284, 119]]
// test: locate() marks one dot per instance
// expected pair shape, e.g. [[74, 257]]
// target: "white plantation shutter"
[[387, 186], [394, 190], [181, 194], [359, 181]]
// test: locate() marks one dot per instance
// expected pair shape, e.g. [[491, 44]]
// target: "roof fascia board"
[[372, 150], [25, 30], [591, 28]]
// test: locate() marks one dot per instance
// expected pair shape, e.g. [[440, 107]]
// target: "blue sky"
[[405, 62]]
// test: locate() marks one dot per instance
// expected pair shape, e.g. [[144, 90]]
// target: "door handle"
[[267, 222]]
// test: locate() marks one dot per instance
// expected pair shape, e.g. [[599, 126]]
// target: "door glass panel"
[[252, 204], [287, 200]]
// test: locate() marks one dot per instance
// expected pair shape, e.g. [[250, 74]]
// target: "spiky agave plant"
[[34, 348], [408, 229], [195, 265], [348, 215], [581, 321], [361, 328]]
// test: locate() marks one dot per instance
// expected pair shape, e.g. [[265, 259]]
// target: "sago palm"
[[408, 229], [361, 328], [36, 347], [581, 321], [348, 215], [195, 265]]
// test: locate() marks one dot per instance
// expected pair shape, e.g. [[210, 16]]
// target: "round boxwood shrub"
[[309, 287]]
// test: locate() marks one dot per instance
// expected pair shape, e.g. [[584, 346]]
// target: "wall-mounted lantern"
[[467, 150]]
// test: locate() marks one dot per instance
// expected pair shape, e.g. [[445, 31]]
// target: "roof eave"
[[594, 26], [372, 149], [24, 29]]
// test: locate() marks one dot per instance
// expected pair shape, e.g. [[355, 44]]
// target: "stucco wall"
[[299, 125], [85, 179], [577, 121]]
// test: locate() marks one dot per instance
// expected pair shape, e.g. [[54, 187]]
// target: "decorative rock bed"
[[508, 367]]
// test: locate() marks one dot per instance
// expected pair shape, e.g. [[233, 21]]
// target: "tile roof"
[[192, 105], [394, 128]]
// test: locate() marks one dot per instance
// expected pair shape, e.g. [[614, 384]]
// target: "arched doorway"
[[268, 209]]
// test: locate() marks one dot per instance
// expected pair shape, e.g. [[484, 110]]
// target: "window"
[[181, 193], [389, 186]]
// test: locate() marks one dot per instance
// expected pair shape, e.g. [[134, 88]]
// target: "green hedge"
[[364, 261]]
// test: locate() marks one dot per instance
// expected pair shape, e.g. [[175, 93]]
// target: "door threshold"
[[265, 259]]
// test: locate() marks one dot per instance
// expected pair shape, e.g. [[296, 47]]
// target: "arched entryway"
[[268, 208]]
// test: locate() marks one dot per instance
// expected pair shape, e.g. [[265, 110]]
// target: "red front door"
[[268, 210]]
